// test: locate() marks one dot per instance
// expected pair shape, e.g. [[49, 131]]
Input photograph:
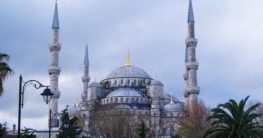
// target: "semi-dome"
[[156, 82], [122, 106], [128, 72], [124, 92]]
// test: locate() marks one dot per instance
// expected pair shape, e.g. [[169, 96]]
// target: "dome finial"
[[77, 101], [171, 98], [128, 60]]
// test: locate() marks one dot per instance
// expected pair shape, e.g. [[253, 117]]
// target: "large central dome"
[[128, 72]]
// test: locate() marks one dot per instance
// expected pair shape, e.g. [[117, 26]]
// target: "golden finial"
[[128, 60], [77, 101], [171, 98]]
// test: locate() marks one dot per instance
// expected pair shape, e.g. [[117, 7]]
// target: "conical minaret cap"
[[55, 24], [191, 18], [86, 59]]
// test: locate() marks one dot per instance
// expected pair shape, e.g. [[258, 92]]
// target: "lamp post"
[[22, 86], [49, 124]]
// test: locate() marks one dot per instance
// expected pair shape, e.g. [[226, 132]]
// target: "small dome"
[[156, 82], [124, 92], [94, 84], [128, 72], [173, 107]]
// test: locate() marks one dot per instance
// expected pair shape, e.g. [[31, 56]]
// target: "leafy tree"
[[70, 127], [232, 120], [3, 131], [142, 130], [194, 123], [115, 123], [28, 133], [5, 70]]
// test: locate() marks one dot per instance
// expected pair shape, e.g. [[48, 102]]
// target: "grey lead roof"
[[55, 24], [86, 59], [124, 92], [191, 13], [128, 72]]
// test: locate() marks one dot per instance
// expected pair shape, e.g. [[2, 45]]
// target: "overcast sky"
[[229, 50]]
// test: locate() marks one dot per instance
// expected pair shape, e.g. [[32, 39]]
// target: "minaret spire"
[[54, 69], [190, 77], [191, 13], [86, 59], [55, 24]]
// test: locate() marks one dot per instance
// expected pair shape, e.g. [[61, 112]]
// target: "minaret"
[[85, 77], [192, 89], [54, 69]]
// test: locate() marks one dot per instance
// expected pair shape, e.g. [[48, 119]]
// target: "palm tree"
[[233, 120], [5, 70], [28, 133]]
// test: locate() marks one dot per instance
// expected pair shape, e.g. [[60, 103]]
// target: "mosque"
[[129, 88]]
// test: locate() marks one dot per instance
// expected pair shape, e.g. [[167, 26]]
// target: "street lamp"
[[47, 94], [66, 124]]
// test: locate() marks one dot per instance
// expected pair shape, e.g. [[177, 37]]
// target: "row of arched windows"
[[139, 100]]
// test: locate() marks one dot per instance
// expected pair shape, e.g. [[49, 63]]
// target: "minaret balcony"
[[85, 79], [54, 47], [185, 76], [192, 90], [54, 70], [191, 42], [192, 65], [56, 94]]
